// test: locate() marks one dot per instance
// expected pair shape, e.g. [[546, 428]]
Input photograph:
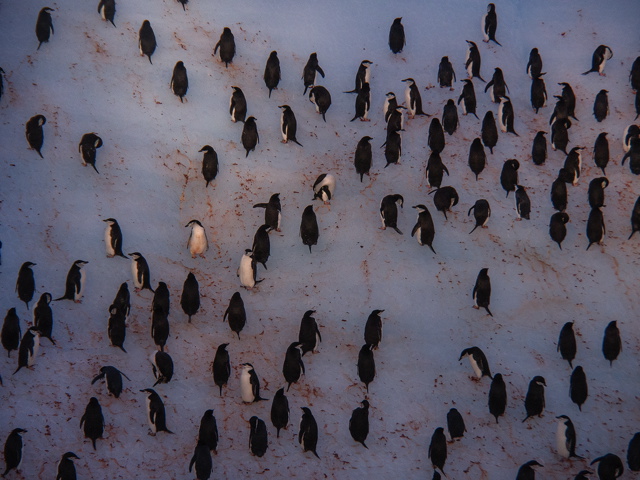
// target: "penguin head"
[[444, 60], [280, 393], [28, 265], [308, 313], [520, 188], [285, 108], [70, 455], [93, 401], [237, 90], [194, 222], [604, 182], [366, 63], [223, 346], [250, 120], [274, 198], [18, 431], [110, 221], [226, 31], [533, 463], [491, 8], [365, 404], [80, 263], [409, 81], [248, 253], [135, 255], [314, 56], [377, 312], [366, 138], [236, 297], [513, 163], [180, 65], [563, 417], [306, 410], [146, 23], [397, 21], [390, 95], [538, 380], [399, 199], [208, 413], [206, 148], [273, 55], [420, 208], [47, 9], [504, 99], [41, 119], [150, 391], [451, 103], [246, 367], [471, 44], [484, 272]]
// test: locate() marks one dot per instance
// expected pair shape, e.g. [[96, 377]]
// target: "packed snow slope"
[[90, 78]]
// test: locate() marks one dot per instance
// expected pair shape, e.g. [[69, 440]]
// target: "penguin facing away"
[[438, 449], [113, 238], [393, 148], [227, 46], [197, 243], [311, 68], [397, 39], [366, 365], [446, 74], [272, 72], [363, 157], [455, 424], [509, 175], [162, 367], [635, 218], [74, 285], [147, 40], [258, 437], [489, 131], [87, 147], [497, 87], [273, 211], [161, 298], [208, 431], [534, 65], [445, 198], [249, 136], [477, 157], [308, 433], [160, 327], [633, 453], [539, 148], [44, 26], [359, 423], [363, 103], [435, 138], [309, 231], [578, 388], [113, 378], [450, 117], [26, 284], [123, 299], [389, 211], [482, 291], [155, 412], [534, 401], [179, 80], [601, 152], [497, 396], [611, 343], [35, 133], [201, 459], [601, 105], [117, 327], [236, 314], [468, 98], [221, 366], [107, 10], [261, 248], [11, 331], [92, 422], [373, 329], [538, 94], [13, 450], [190, 299], [481, 213], [595, 227], [435, 170], [567, 343], [280, 411]]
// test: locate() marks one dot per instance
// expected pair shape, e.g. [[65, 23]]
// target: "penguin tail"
[[527, 418], [270, 92], [474, 114], [51, 340], [113, 23], [364, 445], [323, 118], [516, 133], [17, 369], [94, 167], [497, 422], [181, 101], [356, 116], [316, 454], [473, 229], [590, 243], [362, 175], [150, 59], [631, 235], [397, 230], [278, 434], [434, 252], [220, 390], [247, 154], [309, 248], [489, 312], [265, 267], [305, 88], [40, 154], [499, 44], [296, 141], [585, 73]]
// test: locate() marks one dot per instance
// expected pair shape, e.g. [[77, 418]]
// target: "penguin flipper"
[[97, 377]]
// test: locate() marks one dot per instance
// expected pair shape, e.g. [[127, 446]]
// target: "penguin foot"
[[476, 307]]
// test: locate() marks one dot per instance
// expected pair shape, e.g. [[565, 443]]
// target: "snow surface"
[[90, 77]]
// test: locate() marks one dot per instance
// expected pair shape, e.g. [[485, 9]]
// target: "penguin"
[[107, 10], [569, 99], [227, 46], [190, 299], [366, 365], [506, 116], [363, 156], [202, 460], [324, 187], [583, 475], [13, 450], [567, 343], [321, 98], [155, 412], [566, 437], [472, 62], [1, 83], [258, 437], [140, 272], [272, 72], [280, 411], [601, 105], [578, 390], [489, 131], [446, 74], [611, 343], [599, 59], [397, 39], [390, 105], [309, 231], [559, 190], [635, 218], [261, 246], [209, 164], [247, 271], [250, 137], [538, 94], [66, 467], [534, 401], [309, 335], [117, 327], [208, 431], [497, 85], [634, 75], [26, 284], [359, 423], [293, 364], [197, 243], [147, 40], [438, 449], [393, 148], [633, 453], [444, 199], [435, 170], [236, 313], [308, 433], [272, 212], [162, 367], [482, 290], [249, 384], [43, 317], [373, 329], [363, 103], [526, 471], [221, 366], [637, 105], [309, 72], [455, 424], [468, 98], [92, 421], [184, 3], [363, 75], [523, 204], [11, 331], [74, 286], [87, 147], [44, 26], [450, 117], [509, 175], [633, 155], [288, 125], [539, 149], [595, 227], [159, 327], [179, 80], [413, 98], [477, 157], [559, 136], [389, 211], [596, 192], [237, 105], [490, 24], [601, 152], [497, 396], [35, 133], [609, 466], [481, 213], [161, 298], [435, 139], [423, 230], [113, 238], [477, 359], [534, 65], [560, 112], [113, 378]]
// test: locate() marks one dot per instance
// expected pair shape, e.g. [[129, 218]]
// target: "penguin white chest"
[[284, 129], [419, 235], [411, 105], [469, 64], [134, 272], [561, 440], [475, 366], [197, 241], [103, 13], [246, 272], [36, 346], [108, 243], [151, 420], [245, 387], [501, 120]]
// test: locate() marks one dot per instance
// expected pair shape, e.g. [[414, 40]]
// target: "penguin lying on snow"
[[323, 187]]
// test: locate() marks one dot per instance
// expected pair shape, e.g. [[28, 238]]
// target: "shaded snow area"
[[90, 78]]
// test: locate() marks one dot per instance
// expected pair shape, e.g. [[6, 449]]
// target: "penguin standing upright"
[[35, 133], [595, 227], [611, 343], [201, 459], [506, 116], [309, 231], [66, 467], [482, 291], [435, 170], [633, 453], [481, 213], [311, 68], [237, 105], [74, 285], [155, 412], [113, 238], [509, 175], [446, 75], [634, 75], [92, 422], [363, 75], [162, 367], [599, 59], [390, 105], [632, 131], [435, 138], [478, 361], [635, 218], [567, 343], [140, 272], [601, 105], [578, 388], [272, 72], [413, 98], [1, 83], [208, 431], [249, 136], [473, 61], [43, 317], [444, 199], [363, 156], [107, 10], [309, 335], [11, 331], [160, 327], [197, 243], [538, 93], [534, 65], [566, 437], [147, 40], [373, 329], [87, 147], [468, 98], [610, 466], [559, 190], [366, 365], [450, 117], [359, 423], [113, 378], [26, 284], [13, 450], [569, 99], [323, 187], [601, 152], [161, 298], [190, 299], [489, 131], [321, 98], [596, 192], [272, 212], [455, 424], [261, 248], [497, 86], [497, 396], [258, 437], [523, 203], [288, 125], [633, 155], [227, 46], [280, 411], [423, 230], [560, 135], [393, 147], [236, 313], [539, 149], [117, 327], [249, 384], [389, 211], [308, 433], [438, 449], [396, 36], [293, 364], [179, 80], [363, 103], [44, 26], [477, 157], [526, 471], [248, 271], [221, 366], [534, 401], [490, 24]]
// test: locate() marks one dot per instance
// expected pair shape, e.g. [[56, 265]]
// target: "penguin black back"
[[227, 46], [293, 365], [117, 327], [221, 366], [477, 157], [560, 135], [162, 366], [359, 423], [11, 331], [595, 227], [161, 298], [156, 411], [373, 329], [468, 98], [446, 75], [509, 175], [473, 61], [113, 378], [363, 156], [309, 231], [599, 58], [280, 411], [567, 342], [147, 40], [534, 402], [26, 284], [44, 26], [526, 471], [445, 198], [87, 147], [489, 131], [633, 452], [534, 65], [258, 437], [43, 317], [272, 72], [321, 97], [201, 459], [578, 388], [450, 117], [190, 299], [208, 431], [180, 80], [601, 105], [601, 152], [308, 434], [396, 36], [366, 365], [610, 466], [236, 314], [481, 213], [482, 291], [250, 137], [596, 192], [13, 450], [438, 449], [237, 105], [159, 327], [35, 133], [107, 10], [611, 343], [635, 218], [435, 138], [261, 245], [490, 24], [92, 422], [455, 424], [539, 149], [209, 164], [497, 396]]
